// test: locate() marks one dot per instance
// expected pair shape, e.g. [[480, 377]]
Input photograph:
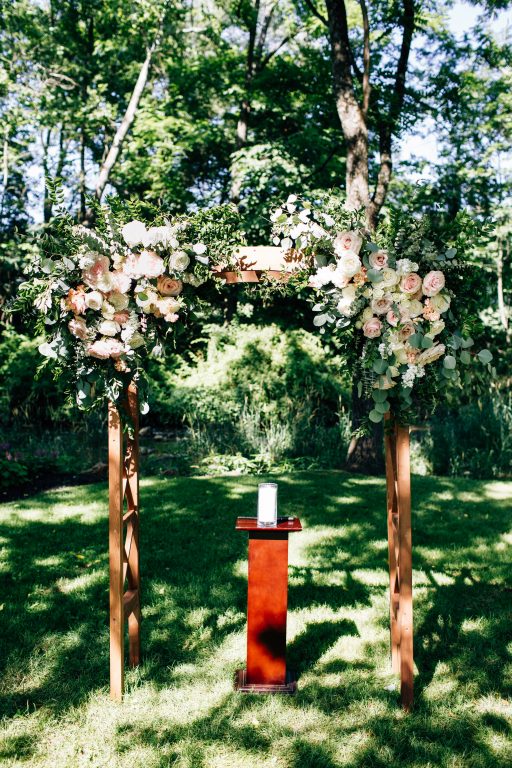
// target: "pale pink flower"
[[78, 328], [144, 264], [378, 260], [433, 282], [372, 328], [97, 275], [172, 318], [120, 281], [392, 318], [410, 283], [105, 348]]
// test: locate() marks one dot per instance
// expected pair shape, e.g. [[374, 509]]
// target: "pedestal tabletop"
[[288, 525]]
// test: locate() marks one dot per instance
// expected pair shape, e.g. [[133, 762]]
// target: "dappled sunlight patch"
[[499, 491], [80, 583], [372, 578]]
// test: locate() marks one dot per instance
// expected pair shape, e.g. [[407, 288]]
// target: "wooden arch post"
[[123, 481], [398, 483]]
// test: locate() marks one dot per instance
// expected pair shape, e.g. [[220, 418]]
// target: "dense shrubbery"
[[258, 392]]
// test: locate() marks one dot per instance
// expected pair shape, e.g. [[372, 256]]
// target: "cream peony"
[[108, 328], [134, 233], [433, 282], [145, 264], [415, 308], [372, 328], [349, 264], [168, 305]]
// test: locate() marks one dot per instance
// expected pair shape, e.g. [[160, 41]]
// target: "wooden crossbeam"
[[398, 484], [123, 540]]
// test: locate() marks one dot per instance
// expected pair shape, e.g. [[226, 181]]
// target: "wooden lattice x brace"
[[123, 470]]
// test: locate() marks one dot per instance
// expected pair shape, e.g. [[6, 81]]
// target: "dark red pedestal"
[[267, 604]]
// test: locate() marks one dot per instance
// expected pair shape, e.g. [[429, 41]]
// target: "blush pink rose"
[[410, 283], [105, 348], [121, 317], [372, 328], [406, 331], [167, 286], [347, 241], [433, 283], [378, 260], [382, 305], [78, 328], [97, 275], [172, 317], [75, 300], [392, 318]]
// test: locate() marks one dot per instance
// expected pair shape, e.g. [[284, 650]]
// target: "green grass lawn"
[[180, 709]]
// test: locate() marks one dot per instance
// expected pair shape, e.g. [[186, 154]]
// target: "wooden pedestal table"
[[123, 480], [398, 482], [267, 604]]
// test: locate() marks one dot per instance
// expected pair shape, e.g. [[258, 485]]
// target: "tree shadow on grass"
[[311, 644]]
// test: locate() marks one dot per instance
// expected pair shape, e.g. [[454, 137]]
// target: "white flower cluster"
[[412, 373]]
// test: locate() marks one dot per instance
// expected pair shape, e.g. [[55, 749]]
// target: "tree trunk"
[[502, 308], [124, 126], [350, 113]]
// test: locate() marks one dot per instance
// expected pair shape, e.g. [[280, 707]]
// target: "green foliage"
[[259, 391]]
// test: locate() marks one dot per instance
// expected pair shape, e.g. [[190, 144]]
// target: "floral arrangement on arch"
[[109, 298], [402, 297]]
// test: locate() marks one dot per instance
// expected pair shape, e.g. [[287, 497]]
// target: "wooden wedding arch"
[[123, 467]]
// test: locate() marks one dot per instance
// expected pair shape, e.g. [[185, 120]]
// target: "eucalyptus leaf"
[[449, 362], [382, 407], [416, 340], [379, 395], [375, 275], [380, 366], [375, 416], [485, 356], [427, 342], [467, 343], [465, 357], [319, 320]]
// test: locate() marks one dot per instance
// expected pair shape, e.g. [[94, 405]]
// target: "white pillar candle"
[[267, 504]]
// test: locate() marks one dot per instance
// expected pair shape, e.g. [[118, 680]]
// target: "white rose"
[[349, 292], [440, 302], [94, 300], [389, 278], [344, 305], [134, 233], [339, 279], [107, 310], [178, 261], [435, 328], [367, 313], [199, 248], [146, 299], [108, 328], [349, 263], [323, 276], [415, 308]]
